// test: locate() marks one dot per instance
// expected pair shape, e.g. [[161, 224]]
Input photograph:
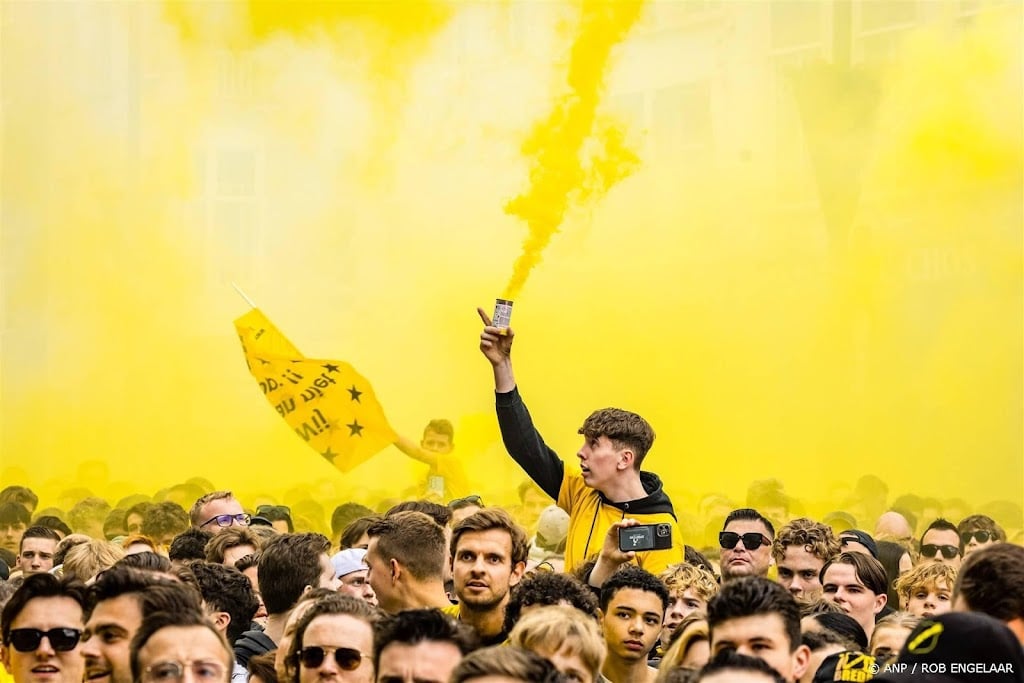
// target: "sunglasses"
[[175, 671], [346, 658], [61, 639], [751, 540], [271, 509], [931, 550], [243, 519], [981, 535]]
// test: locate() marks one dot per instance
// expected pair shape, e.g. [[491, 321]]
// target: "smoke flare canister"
[[502, 313]]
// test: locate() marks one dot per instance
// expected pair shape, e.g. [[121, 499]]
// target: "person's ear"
[[880, 601], [801, 660], [396, 569], [626, 459], [221, 621], [518, 569]]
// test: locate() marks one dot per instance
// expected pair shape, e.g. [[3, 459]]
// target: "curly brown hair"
[[815, 537]]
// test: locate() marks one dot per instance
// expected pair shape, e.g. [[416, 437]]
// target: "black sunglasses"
[[225, 520], [981, 535], [61, 639], [751, 540], [347, 658], [282, 509], [931, 550]]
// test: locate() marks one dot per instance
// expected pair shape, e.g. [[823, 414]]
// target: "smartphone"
[[645, 537]]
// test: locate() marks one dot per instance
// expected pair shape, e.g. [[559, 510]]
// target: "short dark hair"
[[441, 426], [345, 514], [549, 588], [38, 586], [146, 561], [751, 515], [225, 589], [248, 562], [190, 544], [164, 518], [413, 626], [631, 576], [508, 661], [289, 563], [14, 513], [869, 571], [941, 525], [441, 514], [179, 618], [412, 538], [731, 660], [276, 513], [980, 523], [20, 495], [154, 592], [754, 595], [38, 532], [53, 522], [623, 428], [355, 529], [991, 581], [843, 627], [494, 518]]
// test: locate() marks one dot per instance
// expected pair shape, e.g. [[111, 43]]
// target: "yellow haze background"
[[793, 241]]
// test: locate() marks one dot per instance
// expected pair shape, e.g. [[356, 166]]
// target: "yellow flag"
[[328, 404]]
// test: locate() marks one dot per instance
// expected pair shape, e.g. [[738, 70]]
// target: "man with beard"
[[489, 553]]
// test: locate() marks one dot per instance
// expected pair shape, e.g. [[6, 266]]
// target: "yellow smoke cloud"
[[562, 173], [815, 273]]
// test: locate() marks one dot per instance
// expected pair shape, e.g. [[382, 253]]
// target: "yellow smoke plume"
[[566, 171]]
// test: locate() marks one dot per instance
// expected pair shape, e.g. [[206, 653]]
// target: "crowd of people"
[[600, 586]]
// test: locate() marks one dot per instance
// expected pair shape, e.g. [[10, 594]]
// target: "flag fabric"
[[328, 404]]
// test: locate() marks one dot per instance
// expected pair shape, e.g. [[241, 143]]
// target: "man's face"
[[972, 540], [36, 555], [333, 632], [482, 569], [235, 553], [841, 586], [45, 664], [534, 502], [931, 599], [738, 561], [379, 576], [937, 543], [356, 585], [632, 623], [762, 636], [428, 661], [599, 461], [196, 648], [133, 524], [684, 603], [108, 634], [799, 572], [887, 641], [215, 508], [10, 535], [327, 578], [435, 442]]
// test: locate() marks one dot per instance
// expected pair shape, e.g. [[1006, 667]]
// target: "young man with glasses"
[[334, 640], [941, 543], [217, 511], [610, 484], [746, 542], [979, 531], [171, 647], [41, 629]]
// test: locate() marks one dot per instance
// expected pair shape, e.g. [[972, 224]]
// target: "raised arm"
[[414, 451], [522, 441]]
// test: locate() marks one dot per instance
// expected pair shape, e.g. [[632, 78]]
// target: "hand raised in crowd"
[[495, 342], [611, 557]]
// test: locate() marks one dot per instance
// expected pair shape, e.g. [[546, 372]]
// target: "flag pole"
[[243, 295]]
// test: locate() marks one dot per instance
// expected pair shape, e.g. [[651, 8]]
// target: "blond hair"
[[557, 627], [924, 576], [681, 576], [86, 560]]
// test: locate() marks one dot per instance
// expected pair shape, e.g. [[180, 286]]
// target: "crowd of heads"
[[154, 592]]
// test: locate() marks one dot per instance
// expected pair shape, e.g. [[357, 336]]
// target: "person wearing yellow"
[[609, 487]]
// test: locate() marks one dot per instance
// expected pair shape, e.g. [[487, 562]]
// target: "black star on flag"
[[330, 368], [355, 429], [329, 455], [355, 393]]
